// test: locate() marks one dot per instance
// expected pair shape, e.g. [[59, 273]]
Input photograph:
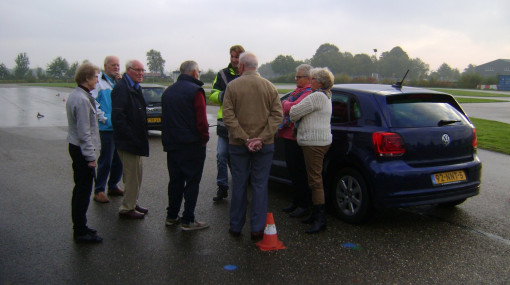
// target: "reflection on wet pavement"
[[19, 106]]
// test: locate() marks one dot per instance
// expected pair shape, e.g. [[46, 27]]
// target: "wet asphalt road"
[[422, 245]]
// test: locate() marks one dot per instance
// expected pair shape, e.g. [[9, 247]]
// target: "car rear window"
[[415, 112], [152, 95]]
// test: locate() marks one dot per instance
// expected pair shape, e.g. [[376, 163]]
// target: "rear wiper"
[[447, 122]]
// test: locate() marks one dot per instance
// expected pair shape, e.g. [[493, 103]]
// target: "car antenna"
[[399, 84]]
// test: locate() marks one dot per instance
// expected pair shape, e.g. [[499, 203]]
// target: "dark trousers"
[[83, 178], [108, 164], [185, 167], [302, 195]]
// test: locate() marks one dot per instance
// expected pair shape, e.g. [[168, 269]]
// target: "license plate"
[[153, 120], [448, 177]]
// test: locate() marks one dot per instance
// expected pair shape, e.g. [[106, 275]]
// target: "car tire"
[[451, 204], [350, 196]]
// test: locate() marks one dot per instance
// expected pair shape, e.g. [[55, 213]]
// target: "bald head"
[[111, 66]]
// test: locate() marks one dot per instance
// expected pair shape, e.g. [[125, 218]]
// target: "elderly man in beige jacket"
[[252, 113]]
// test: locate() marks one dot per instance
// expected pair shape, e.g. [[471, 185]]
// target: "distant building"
[[154, 74], [175, 75], [494, 68]]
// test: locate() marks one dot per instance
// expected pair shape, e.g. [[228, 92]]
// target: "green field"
[[68, 85], [476, 100], [492, 135], [472, 93]]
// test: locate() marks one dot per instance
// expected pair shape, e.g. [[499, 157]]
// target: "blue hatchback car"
[[394, 146]]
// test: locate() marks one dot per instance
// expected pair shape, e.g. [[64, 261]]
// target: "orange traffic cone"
[[270, 240]]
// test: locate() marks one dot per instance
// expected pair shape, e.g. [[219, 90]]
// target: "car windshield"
[[152, 95], [424, 114]]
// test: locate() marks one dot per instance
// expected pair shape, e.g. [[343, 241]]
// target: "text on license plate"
[[448, 177], [153, 120]]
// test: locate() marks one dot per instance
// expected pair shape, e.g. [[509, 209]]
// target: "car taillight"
[[475, 141], [388, 144]]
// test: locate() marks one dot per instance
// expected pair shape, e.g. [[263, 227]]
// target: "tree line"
[[388, 67]]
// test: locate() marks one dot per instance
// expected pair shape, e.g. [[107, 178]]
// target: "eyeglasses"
[[299, 77], [313, 78], [138, 69]]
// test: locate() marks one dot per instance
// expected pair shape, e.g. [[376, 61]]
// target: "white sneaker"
[[194, 226]]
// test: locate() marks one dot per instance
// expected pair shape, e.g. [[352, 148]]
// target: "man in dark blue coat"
[[129, 120], [185, 133]]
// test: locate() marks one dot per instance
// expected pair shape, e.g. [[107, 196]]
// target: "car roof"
[[382, 89]]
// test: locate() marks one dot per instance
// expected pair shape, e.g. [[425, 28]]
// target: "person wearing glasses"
[[129, 120], [301, 195], [312, 116]]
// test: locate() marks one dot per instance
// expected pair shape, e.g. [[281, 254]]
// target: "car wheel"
[[350, 196], [451, 204]]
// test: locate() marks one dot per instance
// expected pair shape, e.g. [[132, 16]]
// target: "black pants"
[[302, 195], [185, 167], [83, 180]]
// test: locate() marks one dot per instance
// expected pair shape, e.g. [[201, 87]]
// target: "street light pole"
[[376, 66]]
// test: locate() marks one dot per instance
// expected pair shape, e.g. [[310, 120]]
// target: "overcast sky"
[[458, 32]]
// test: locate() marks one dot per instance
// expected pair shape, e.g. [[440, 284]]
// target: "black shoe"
[[91, 231], [233, 233], [88, 238], [298, 212], [308, 220], [257, 235], [220, 194], [291, 207], [319, 224]]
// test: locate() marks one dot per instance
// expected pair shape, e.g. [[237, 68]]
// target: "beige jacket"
[[251, 109]]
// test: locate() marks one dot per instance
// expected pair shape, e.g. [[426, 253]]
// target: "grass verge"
[[473, 93], [492, 135], [477, 100], [68, 85]]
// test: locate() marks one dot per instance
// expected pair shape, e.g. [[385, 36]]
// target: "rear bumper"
[[404, 186], [430, 196]]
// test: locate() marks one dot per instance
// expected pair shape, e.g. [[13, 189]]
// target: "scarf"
[[293, 97]]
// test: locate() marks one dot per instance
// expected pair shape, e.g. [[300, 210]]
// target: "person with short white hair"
[[184, 134], [129, 120], [314, 136], [109, 165], [252, 112], [301, 194]]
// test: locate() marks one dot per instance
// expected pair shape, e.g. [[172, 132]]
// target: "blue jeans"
[[185, 167], [108, 164], [222, 162], [252, 167]]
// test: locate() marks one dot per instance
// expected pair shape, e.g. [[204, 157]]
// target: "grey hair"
[[304, 68], [188, 67], [84, 72], [324, 76], [110, 57], [249, 60], [130, 63]]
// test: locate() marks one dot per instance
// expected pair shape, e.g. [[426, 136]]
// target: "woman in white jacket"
[[312, 119]]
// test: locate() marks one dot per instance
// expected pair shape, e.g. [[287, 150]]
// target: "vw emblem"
[[445, 139]]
